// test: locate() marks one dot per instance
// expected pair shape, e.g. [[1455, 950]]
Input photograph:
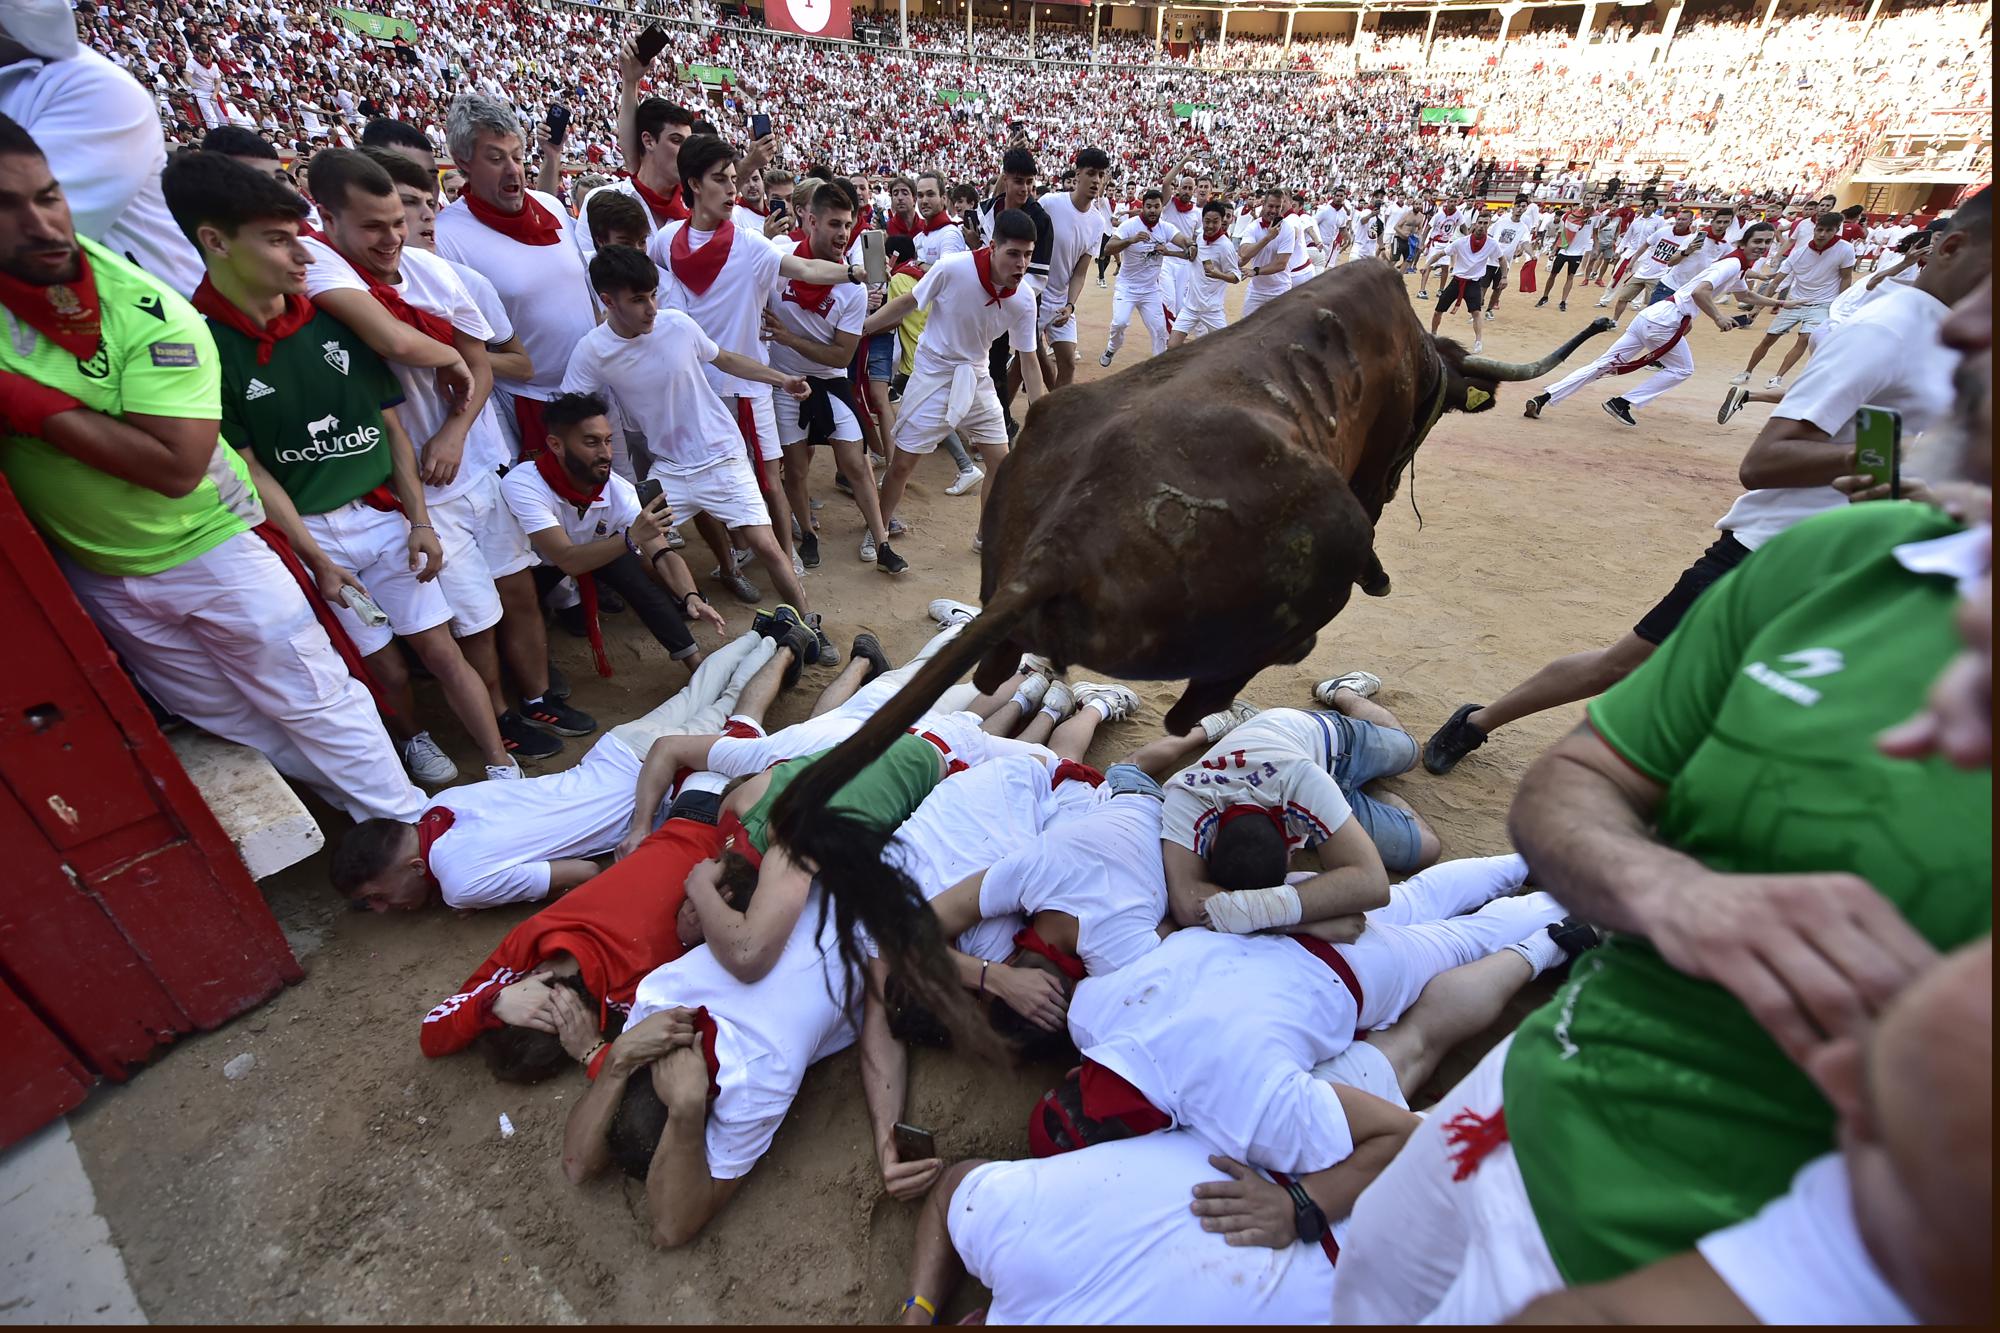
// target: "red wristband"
[[27, 404]]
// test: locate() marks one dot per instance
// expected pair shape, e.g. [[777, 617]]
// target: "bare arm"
[[748, 943], [891, 313], [1682, 1289], [630, 71], [510, 360], [838, 354], [667, 756], [426, 554], [585, 1152], [885, 1068], [1248, 249], [1031, 377], [567, 873], [1208, 267], [279, 509], [1120, 244], [680, 1193], [1790, 452], [827, 272], [164, 454], [734, 363], [1353, 880], [445, 450]]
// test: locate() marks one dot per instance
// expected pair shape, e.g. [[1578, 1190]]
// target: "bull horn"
[[1485, 367]]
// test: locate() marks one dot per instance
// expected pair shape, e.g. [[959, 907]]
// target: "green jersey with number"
[[1646, 1107], [313, 412], [155, 359]]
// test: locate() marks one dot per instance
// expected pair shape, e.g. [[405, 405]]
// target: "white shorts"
[[1194, 323], [934, 405], [374, 546], [1363, 1066], [482, 542], [725, 489], [1804, 320], [1302, 275], [791, 432], [1063, 331], [764, 414]]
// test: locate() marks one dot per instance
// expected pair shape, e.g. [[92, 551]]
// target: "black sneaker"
[[609, 603], [809, 550], [888, 561], [804, 649], [1539, 304], [526, 742], [557, 716], [1532, 409], [558, 684], [1574, 936], [868, 648], [1453, 741], [787, 617], [573, 621], [828, 654], [1562, 306], [1622, 410]]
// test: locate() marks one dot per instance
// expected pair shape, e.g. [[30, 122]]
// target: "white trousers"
[[1152, 311], [1425, 1248], [228, 642], [1650, 328], [703, 705]]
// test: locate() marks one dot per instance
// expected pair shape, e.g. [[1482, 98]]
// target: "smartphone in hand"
[[760, 126], [558, 122], [1878, 447], [913, 1144], [649, 491], [875, 257], [651, 42]]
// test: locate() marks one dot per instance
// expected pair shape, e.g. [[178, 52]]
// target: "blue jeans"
[[1131, 780], [1661, 292], [1365, 752], [882, 357]]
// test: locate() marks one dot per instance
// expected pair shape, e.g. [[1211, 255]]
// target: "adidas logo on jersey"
[[258, 389]]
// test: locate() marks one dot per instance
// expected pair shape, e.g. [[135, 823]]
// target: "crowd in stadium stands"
[[1325, 112]]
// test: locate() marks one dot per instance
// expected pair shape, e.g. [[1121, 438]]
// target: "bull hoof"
[[1300, 653], [1376, 584]]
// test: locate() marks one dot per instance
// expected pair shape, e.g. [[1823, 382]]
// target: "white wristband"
[[1246, 911]]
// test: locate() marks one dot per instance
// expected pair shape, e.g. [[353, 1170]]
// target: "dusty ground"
[[347, 1178]]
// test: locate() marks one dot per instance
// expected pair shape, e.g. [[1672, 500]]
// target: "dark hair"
[[699, 156], [238, 142], [964, 194], [656, 113], [1017, 162], [1828, 220], [633, 1135], [735, 879], [1974, 215], [1852, 211], [367, 849], [1151, 194], [1013, 225], [214, 189], [1270, 190], [1215, 206], [1753, 229], [901, 249], [903, 181], [1028, 1040], [383, 132], [943, 185], [1092, 159], [613, 210], [834, 194], [620, 268], [529, 1055], [1248, 853], [573, 409], [16, 139], [403, 170], [336, 171]]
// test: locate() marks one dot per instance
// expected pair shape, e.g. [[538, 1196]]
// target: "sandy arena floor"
[[348, 1178]]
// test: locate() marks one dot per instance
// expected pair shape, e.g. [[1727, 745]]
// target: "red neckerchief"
[[1819, 249], [1244, 811], [1717, 233], [814, 296], [1742, 260], [895, 226], [533, 225], [910, 270], [66, 313], [736, 838], [760, 212], [982, 264], [665, 207], [565, 487], [1030, 939], [938, 221], [1183, 203], [697, 270], [1478, 242], [434, 824], [298, 312], [423, 321]]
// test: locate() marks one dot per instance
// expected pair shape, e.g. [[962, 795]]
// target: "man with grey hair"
[[521, 240]]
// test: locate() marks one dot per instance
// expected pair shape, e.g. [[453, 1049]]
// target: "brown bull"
[[1201, 515]]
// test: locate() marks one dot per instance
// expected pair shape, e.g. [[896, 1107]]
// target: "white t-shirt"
[[1443, 226], [659, 391], [1284, 245], [1801, 1259], [1816, 273], [488, 445], [767, 1032], [1578, 243], [1221, 1034], [1139, 266], [1661, 253], [964, 321], [1204, 295], [1697, 261], [504, 834], [1724, 276], [544, 287], [431, 285], [1104, 870], [1184, 221], [1076, 234], [1640, 233], [537, 508], [1470, 262], [731, 311], [623, 186], [1105, 1236], [935, 245], [1331, 222], [1282, 759], [844, 309], [1510, 234]]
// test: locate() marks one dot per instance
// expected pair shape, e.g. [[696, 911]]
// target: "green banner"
[[715, 74], [382, 29], [953, 96], [1182, 110], [1448, 115]]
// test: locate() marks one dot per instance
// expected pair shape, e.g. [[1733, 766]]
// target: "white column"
[[1764, 25], [1031, 31], [1668, 29], [968, 28], [1290, 14], [1096, 12], [1159, 30], [903, 13], [1222, 37], [1868, 24], [1430, 32], [1583, 24], [1507, 13]]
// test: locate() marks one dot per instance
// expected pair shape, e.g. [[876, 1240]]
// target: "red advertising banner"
[[810, 18]]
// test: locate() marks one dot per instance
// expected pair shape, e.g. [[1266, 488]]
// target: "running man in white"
[[1474, 259], [1182, 212], [1667, 247], [1658, 336], [1216, 270], [1511, 234], [1820, 269], [1335, 221], [1079, 229], [1445, 226], [1635, 240], [1144, 242], [1267, 252]]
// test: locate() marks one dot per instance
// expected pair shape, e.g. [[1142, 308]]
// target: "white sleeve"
[[1801, 1259], [524, 883], [529, 500], [927, 286], [1317, 800], [1850, 368], [583, 376], [466, 316], [329, 272], [101, 134], [621, 501]]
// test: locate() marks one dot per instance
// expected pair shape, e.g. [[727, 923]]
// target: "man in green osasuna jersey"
[[313, 412], [108, 434]]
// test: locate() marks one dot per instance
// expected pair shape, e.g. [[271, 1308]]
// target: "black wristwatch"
[[1310, 1220], [856, 273]]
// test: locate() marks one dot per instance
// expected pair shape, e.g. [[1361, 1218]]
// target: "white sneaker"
[[896, 528], [867, 548], [674, 539], [947, 612], [1217, 725], [978, 542], [1364, 683], [1478, 344], [507, 772], [1032, 689], [1740, 377], [426, 762], [1060, 699], [1037, 665], [1775, 382], [742, 557], [1605, 302], [1119, 702], [967, 479]]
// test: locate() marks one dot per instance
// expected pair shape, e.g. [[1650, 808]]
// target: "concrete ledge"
[[57, 1262], [259, 811]]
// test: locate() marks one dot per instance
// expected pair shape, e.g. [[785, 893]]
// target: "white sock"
[[1022, 702], [1245, 911], [1103, 707], [1052, 715], [1541, 951]]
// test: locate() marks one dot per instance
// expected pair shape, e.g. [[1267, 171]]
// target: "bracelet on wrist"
[[415, 526]]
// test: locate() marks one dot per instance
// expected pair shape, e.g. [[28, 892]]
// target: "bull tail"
[[863, 887]]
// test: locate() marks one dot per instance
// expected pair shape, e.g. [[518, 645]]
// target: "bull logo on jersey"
[[326, 440], [336, 355]]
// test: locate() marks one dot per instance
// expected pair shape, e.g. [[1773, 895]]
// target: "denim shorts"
[[1367, 752], [882, 357], [1131, 780]]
